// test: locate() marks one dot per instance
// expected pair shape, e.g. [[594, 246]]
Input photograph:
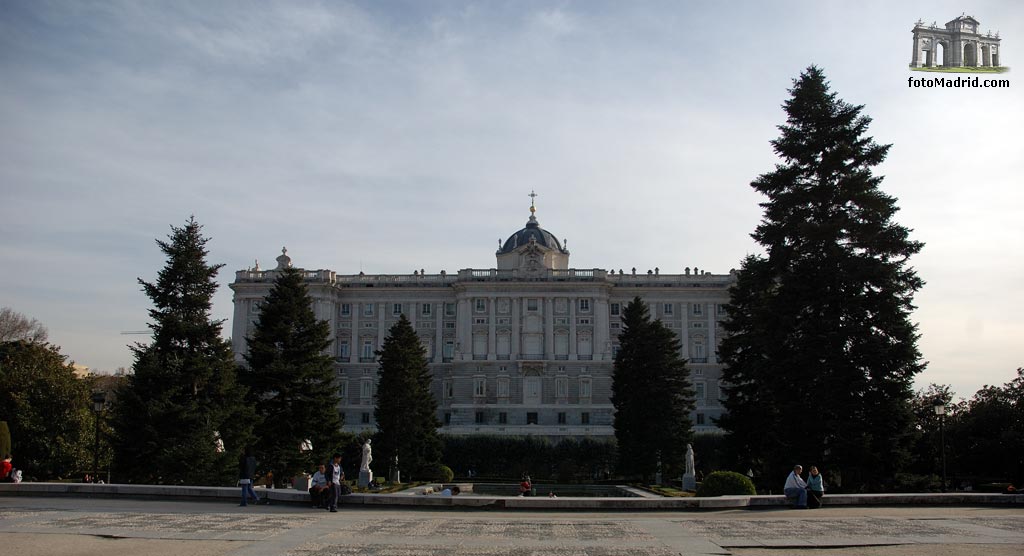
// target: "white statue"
[[689, 459], [367, 456]]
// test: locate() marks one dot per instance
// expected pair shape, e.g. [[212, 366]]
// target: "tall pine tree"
[[406, 409], [183, 396], [821, 352], [652, 395], [290, 376]]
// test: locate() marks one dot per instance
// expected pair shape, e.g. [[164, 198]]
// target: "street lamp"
[[940, 409], [99, 399]]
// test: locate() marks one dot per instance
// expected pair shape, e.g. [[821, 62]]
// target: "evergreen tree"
[[46, 408], [290, 376], [821, 354], [652, 395], [183, 396], [406, 410]]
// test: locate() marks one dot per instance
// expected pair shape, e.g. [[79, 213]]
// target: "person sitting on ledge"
[[318, 487], [453, 491], [796, 487]]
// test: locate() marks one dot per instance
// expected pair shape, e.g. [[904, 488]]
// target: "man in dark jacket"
[[246, 471]]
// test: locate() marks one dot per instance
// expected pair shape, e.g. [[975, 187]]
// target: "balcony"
[[561, 358], [585, 357], [503, 357], [479, 357], [531, 356], [367, 359]]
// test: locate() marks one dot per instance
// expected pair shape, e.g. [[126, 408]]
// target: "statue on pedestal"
[[689, 478], [365, 475]]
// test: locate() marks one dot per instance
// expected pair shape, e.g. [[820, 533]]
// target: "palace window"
[[532, 304], [343, 389], [700, 418], [503, 387], [364, 418], [481, 305], [585, 418], [561, 387], [531, 418], [561, 417], [616, 308], [479, 418], [367, 349], [425, 309], [586, 386], [584, 305], [667, 309], [447, 389], [367, 309], [503, 418], [447, 418], [701, 391], [449, 309], [346, 309], [479, 386], [396, 309], [343, 349], [366, 389], [698, 309]]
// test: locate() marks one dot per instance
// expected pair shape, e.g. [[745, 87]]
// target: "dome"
[[532, 231]]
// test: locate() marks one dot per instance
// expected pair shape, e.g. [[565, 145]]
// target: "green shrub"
[[725, 483], [443, 474]]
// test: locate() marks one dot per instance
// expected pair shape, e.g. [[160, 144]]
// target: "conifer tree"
[[821, 352], [183, 401], [406, 409], [652, 395], [290, 376]]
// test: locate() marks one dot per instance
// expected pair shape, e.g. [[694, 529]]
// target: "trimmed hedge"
[[507, 457], [722, 483]]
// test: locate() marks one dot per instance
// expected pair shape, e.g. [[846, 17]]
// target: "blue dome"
[[531, 231]]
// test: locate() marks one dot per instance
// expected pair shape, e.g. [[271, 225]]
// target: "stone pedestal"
[[365, 478], [396, 476], [689, 482], [301, 482]]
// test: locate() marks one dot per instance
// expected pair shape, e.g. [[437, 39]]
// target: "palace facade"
[[524, 348]]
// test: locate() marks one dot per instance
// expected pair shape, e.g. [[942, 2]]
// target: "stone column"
[[684, 332], [712, 345], [915, 58], [463, 328], [549, 329], [439, 333], [572, 328], [516, 327], [492, 331], [602, 334], [380, 324], [355, 346]]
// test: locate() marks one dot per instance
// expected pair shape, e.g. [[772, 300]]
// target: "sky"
[[390, 136]]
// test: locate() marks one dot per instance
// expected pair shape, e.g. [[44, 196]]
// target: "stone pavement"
[[73, 526]]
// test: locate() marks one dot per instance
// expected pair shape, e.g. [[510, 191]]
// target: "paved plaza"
[[87, 526]]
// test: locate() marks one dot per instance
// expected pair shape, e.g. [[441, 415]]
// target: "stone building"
[[958, 44], [524, 348]]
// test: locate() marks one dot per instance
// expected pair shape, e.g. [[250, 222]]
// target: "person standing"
[[336, 476], [6, 469], [815, 488], [796, 487], [246, 471]]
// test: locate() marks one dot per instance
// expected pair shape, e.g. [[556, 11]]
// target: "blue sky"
[[387, 137]]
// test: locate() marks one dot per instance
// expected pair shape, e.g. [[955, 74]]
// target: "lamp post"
[[940, 409], [99, 399]]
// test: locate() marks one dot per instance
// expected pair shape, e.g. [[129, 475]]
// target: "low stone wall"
[[411, 498]]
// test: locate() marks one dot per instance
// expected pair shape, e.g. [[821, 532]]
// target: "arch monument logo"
[[957, 47]]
